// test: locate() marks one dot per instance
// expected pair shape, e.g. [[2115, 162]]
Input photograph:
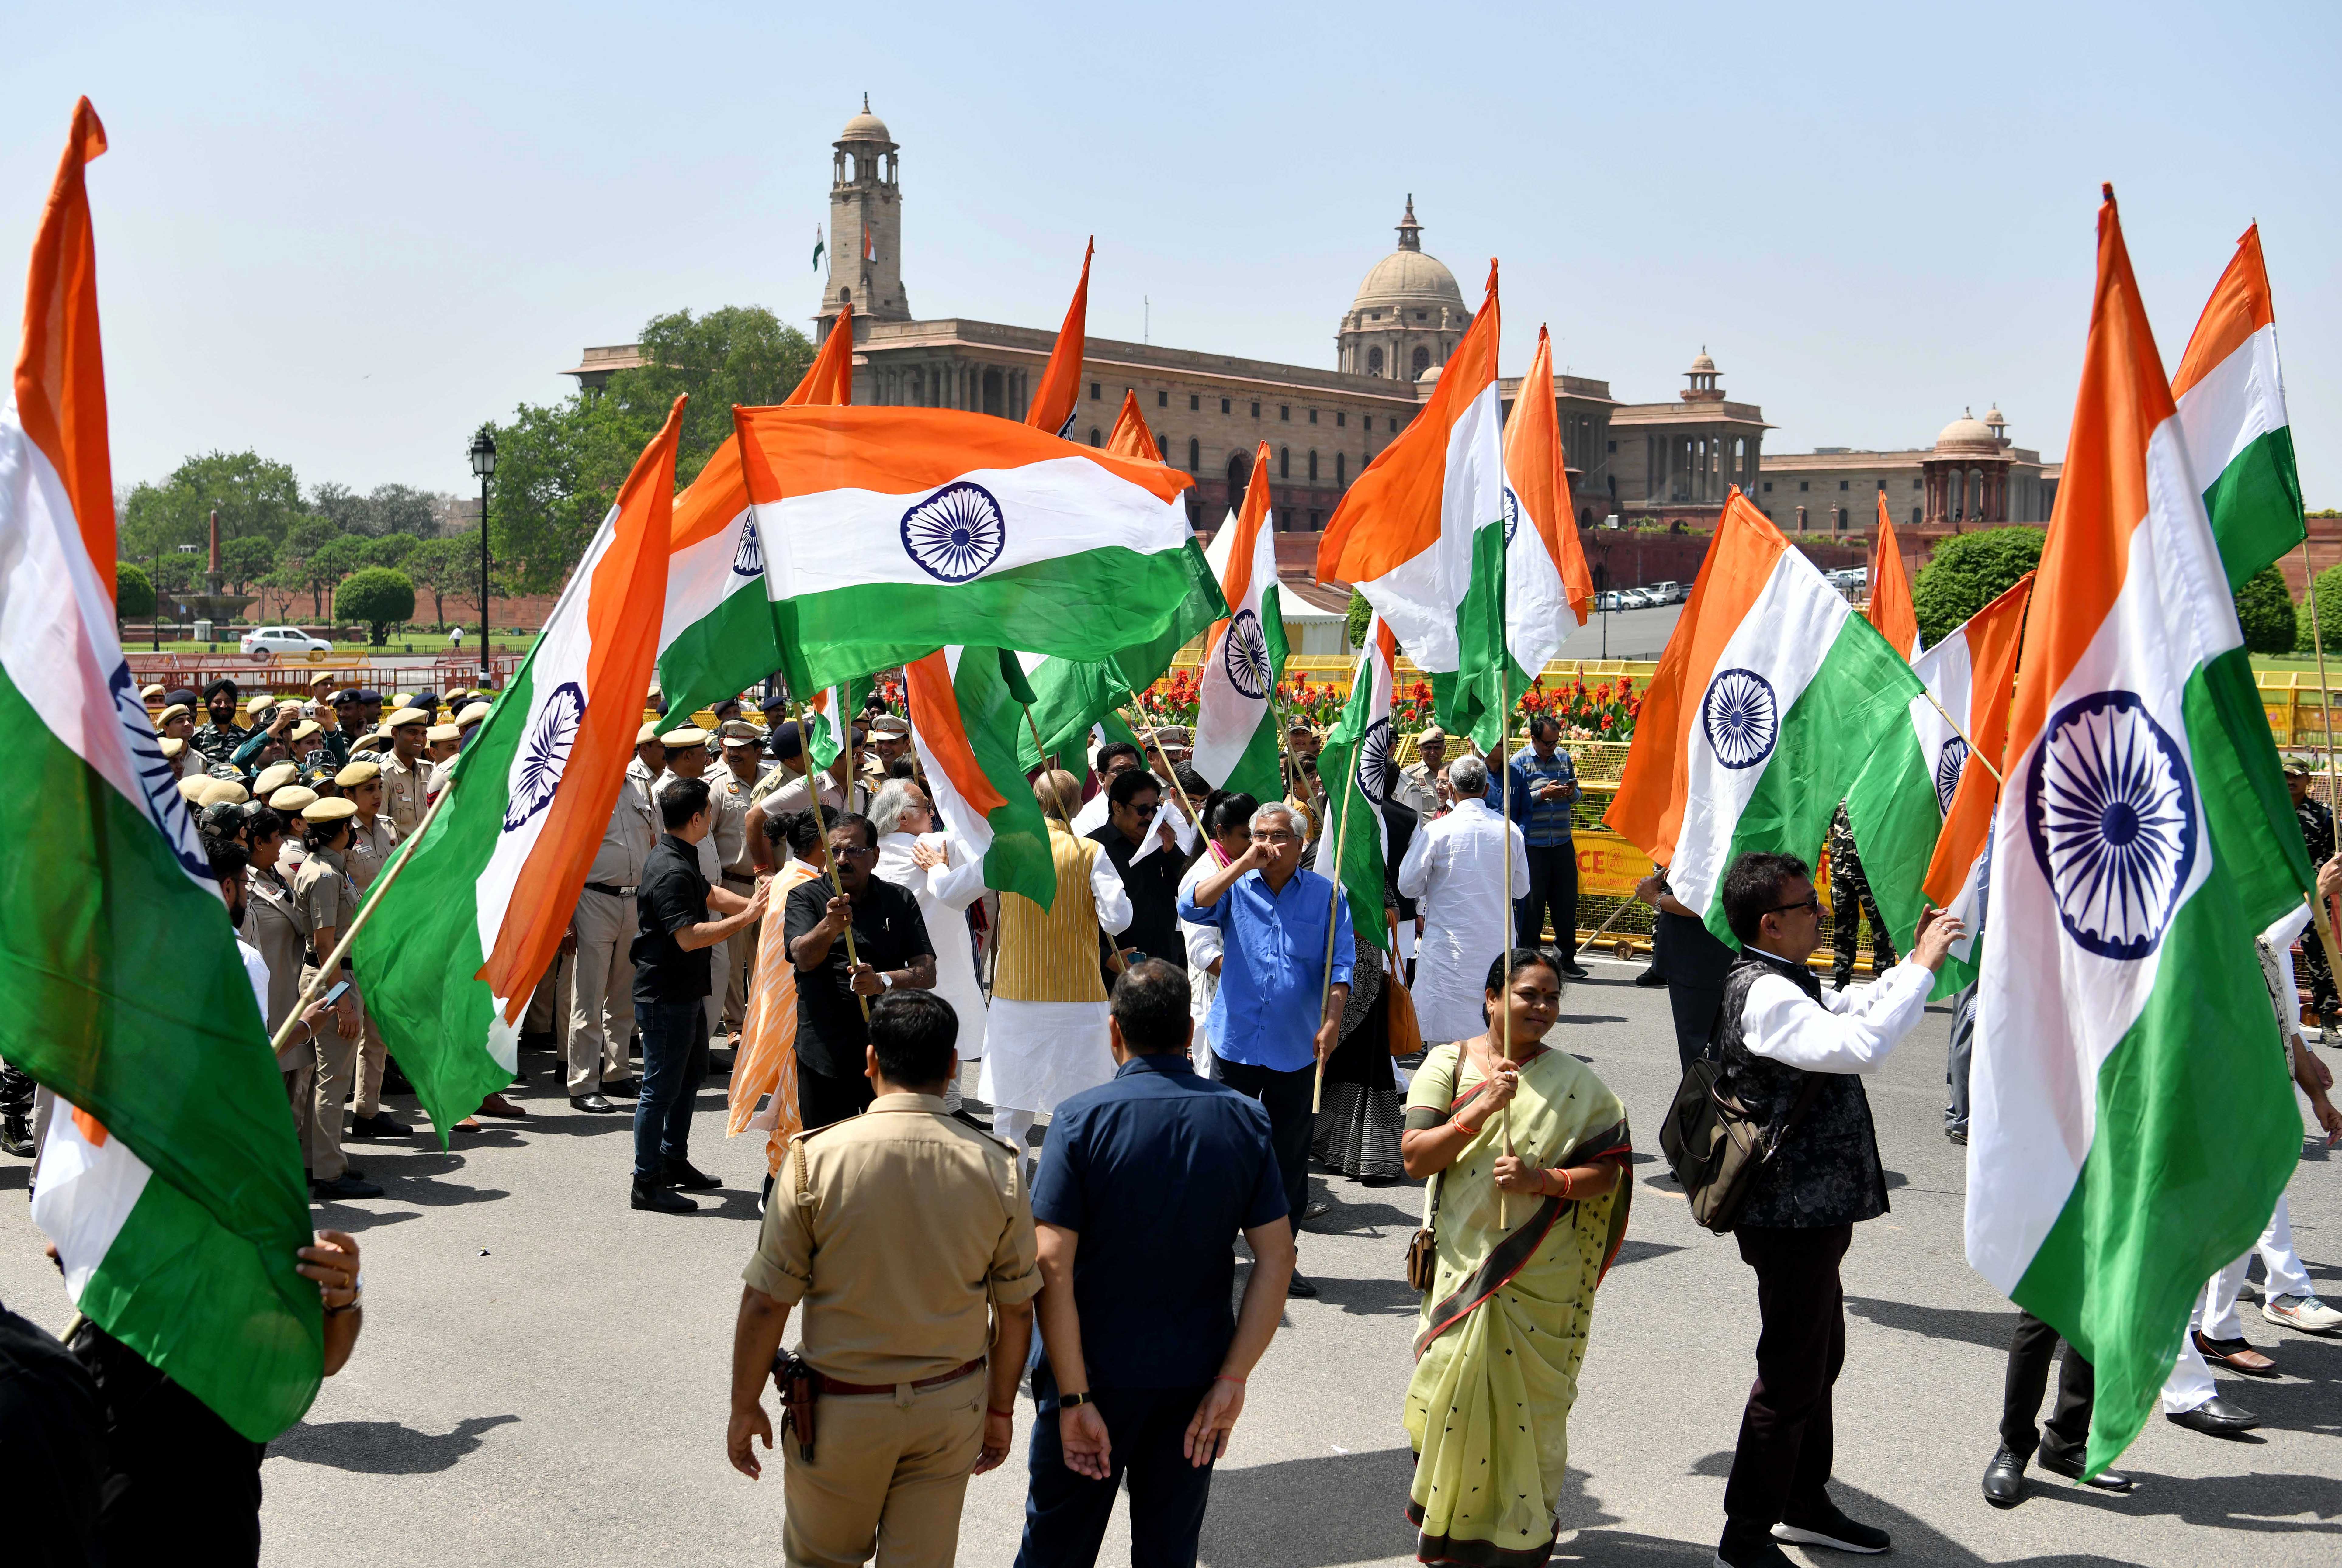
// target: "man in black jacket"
[[1794, 1057]]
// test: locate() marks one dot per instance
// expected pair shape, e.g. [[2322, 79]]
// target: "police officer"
[[731, 785], [1850, 902], [904, 1403], [2317, 820], [328, 901], [1419, 782], [602, 986], [406, 772], [373, 841]]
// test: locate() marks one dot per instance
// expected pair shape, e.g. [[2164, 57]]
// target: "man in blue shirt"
[[1272, 1022], [1144, 1184], [1543, 788]]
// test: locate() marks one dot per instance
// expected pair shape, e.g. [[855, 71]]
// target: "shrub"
[[381, 596], [1968, 572], [2329, 588], [1359, 614], [2264, 609], [134, 591]]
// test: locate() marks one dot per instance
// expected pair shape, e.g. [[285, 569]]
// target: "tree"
[[2329, 619], [389, 549], [390, 509], [133, 594], [247, 560], [435, 565], [1968, 572], [1356, 620], [558, 470], [380, 596], [253, 495], [334, 560], [740, 354], [2264, 609]]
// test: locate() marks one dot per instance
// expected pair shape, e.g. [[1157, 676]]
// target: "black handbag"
[[1715, 1148]]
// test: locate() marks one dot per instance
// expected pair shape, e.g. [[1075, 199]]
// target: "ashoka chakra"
[[543, 753], [1245, 653], [1512, 515], [2110, 807], [1376, 775], [1949, 763], [1742, 717], [748, 561], [956, 532]]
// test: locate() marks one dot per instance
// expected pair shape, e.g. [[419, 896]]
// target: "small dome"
[[1966, 432], [1408, 278], [1993, 416], [1703, 365], [1429, 376], [864, 126]]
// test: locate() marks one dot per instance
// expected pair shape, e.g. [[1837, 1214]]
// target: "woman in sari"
[[1504, 1324], [766, 1063]]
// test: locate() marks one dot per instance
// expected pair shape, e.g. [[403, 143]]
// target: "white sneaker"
[[2306, 1313]]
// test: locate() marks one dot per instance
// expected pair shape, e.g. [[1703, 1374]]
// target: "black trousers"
[[1286, 1097], [1065, 1514], [1786, 1442], [824, 1098], [2068, 1433], [1553, 886], [1695, 1007]]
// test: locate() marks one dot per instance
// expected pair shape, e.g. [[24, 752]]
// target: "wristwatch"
[[886, 981], [1068, 1401]]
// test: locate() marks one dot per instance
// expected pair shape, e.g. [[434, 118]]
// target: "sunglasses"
[[1811, 902], [853, 852], [1142, 812]]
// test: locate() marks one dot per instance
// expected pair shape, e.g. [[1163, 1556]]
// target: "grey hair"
[[895, 797], [1277, 808], [1469, 776]]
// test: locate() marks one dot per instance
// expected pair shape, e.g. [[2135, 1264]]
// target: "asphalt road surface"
[[541, 1378], [1631, 634]]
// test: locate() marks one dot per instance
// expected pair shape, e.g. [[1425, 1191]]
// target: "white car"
[[1636, 599], [262, 643], [1611, 599]]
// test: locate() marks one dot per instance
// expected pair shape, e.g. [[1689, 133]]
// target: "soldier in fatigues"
[[901, 1402], [2317, 820], [1850, 903]]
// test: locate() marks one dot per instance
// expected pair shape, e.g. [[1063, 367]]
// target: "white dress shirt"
[[1849, 1031], [1455, 869]]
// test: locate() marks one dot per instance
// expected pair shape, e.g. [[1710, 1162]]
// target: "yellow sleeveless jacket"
[[1052, 956]]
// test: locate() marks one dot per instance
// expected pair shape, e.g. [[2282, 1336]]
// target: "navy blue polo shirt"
[[1157, 1171]]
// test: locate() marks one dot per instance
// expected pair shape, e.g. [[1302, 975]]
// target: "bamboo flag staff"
[[1168, 771], [1333, 924], [2333, 780], [836, 887], [1504, 997]]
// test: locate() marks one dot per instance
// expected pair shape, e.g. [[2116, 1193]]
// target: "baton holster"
[[800, 1391]]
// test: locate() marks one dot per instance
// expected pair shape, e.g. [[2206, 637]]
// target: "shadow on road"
[[1310, 1512], [383, 1447], [1989, 1329]]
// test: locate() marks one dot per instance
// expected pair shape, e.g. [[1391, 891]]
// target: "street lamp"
[[484, 464]]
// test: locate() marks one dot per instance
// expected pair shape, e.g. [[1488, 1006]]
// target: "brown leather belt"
[[831, 1385]]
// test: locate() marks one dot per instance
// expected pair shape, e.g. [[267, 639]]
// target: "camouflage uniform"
[[1850, 899], [2316, 821]]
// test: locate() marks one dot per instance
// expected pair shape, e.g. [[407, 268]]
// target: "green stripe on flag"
[[1020, 859], [722, 655], [1469, 701], [2255, 836], [1896, 817], [2255, 505]]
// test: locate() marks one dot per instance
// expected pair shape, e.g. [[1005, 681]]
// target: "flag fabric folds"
[[453, 948], [1359, 763], [1891, 610], [963, 725], [2132, 1123], [1243, 655], [1130, 436], [2231, 399], [1971, 673], [1059, 393], [831, 714], [171, 1179], [1544, 562], [1771, 700], [818, 247]]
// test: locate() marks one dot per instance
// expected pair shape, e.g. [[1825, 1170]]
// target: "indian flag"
[[2231, 399], [170, 1180], [1407, 532], [456, 944], [830, 715], [889, 533], [963, 725], [1360, 760], [2132, 1122], [715, 634], [1130, 436], [1771, 700], [1971, 673], [1059, 394], [1243, 655], [1891, 610], [1546, 576]]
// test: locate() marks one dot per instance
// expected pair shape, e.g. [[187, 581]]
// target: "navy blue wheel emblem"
[[543, 753], [1376, 775], [1742, 716], [1949, 763], [748, 561], [1244, 651], [956, 532], [1512, 515], [165, 806], [2110, 807]]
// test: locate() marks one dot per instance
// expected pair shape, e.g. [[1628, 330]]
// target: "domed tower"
[[1700, 380], [866, 224], [1408, 314]]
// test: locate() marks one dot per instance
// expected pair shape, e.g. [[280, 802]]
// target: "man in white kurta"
[[1455, 871], [908, 836]]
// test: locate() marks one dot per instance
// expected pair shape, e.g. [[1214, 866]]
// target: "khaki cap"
[[402, 717], [291, 799], [438, 733], [889, 724], [1430, 735], [321, 679], [741, 733], [369, 743], [175, 711], [332, 809], [274, 777], [305, 729], [148, 693], [647, 734], [357, 773], [174, 747], [689, 735], [192, 787], [216, 790], [2300, 766], [474, 711], [402, 699]]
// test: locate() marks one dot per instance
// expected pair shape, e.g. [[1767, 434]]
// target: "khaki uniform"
[[602, 982], [1417, 788], [325, 897], [371, 847], [893, 1293], [406, 793], [730, 798], [274, 924], [796, 794]]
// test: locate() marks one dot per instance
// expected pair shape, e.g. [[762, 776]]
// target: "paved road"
[[1631, 634], [542, 1379]]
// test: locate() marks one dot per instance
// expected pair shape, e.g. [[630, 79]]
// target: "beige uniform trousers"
[[719, 956], [333, 1073], [601, 993], [373, 1058], [889, 1470], [548, 1005], [739, 960]]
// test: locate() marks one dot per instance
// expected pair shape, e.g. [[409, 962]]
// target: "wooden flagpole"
[[836, 887], [1333, 921]]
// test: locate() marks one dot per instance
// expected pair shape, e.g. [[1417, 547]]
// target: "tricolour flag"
[[716, 636], [1772, 698], [1060, 390], [1891, 610], [1360, 767], [831, 714], [1130, 436], [1971, 672], [1407, 532], [1243, 655], [889, 533], [818, 247], [1546, 576], [2231, 399], [455, 945], [964, 724], [170, 1180], [869, 246], [2132, 1124]]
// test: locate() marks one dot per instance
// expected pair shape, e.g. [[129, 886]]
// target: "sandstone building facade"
[[1974, 476]]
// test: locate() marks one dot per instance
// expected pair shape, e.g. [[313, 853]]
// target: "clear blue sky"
[[344, 240]]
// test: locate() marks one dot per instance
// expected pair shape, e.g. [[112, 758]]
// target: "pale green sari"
[[1504, 1326]]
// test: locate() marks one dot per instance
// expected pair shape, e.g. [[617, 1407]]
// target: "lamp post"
[[484, 464]]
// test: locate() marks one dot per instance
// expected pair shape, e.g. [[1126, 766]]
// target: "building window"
[[1194, 403], [1422, 315], [1285, 410], [1369, 423], [1317, 521], [1284, 462], [1341, 418], [1094, 391], [1804, 485], [1613, 448], [1313, 417], [1163, 400], [1769, 490], [1096, 439], [1341, 472], [1313, 465], [1223, 405], [1256, 411], [1422, 358], [1915, 523], [1842, 483], [1196, 459], [1918, 483], [1374, 362]]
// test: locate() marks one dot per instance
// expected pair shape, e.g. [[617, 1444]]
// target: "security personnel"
[[729, 786], [903, 1402], [1850, 902], [406, 772], [349, 724], [218, 739], [687, 757], [329, 903], [2316, 821], [373, 841], [602, 988], [1419, 782]]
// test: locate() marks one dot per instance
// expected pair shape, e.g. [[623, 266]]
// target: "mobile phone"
[[330, 997]]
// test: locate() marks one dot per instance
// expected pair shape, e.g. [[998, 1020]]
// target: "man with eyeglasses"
[[892, 951], [1134, 815]]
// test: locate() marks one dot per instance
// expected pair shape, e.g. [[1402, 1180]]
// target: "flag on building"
[[818, 247], [454, 947], [1130, 437], [963, 725], [1972, 672], [716, 636], [1891, 610], [1408, 534], [1360, 766], [1235, 744], [869, 246], [891, 532], [1772, 699], [2132, 1123], [171, 1178], [1059, 394], [830, 715], [2231, 399]]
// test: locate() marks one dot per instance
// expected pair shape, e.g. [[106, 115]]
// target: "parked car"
[[1637, 599], [1610, 599], [263, 642], [1667, 592]]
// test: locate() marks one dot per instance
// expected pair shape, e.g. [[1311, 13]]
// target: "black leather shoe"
[[16, 1137], [1651, 980], [2215, 1418], [2071, 1469], [1300, 1289], [343, 1188], [1826, 1526], [378, 1125], [691, 1178], [2003, 1479], [1752, 1551], [623, 1088], [1573, 969], [593, 1104], [662, 1199]]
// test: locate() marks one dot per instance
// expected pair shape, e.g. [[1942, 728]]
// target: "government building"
[[1973, 477]]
